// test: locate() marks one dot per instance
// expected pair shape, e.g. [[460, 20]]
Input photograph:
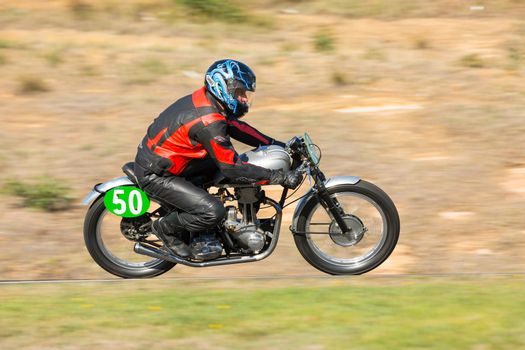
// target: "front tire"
[[339, 254], [96, 244]]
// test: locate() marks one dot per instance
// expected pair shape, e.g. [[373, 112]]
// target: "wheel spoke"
[[115, 246], [348, 249]]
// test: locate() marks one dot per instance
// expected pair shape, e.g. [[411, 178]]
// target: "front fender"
[[100, 189], [331, 182]]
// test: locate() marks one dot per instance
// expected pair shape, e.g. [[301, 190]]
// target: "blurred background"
[[423, 98]]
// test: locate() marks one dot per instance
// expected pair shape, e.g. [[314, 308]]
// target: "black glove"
[[290, 179]]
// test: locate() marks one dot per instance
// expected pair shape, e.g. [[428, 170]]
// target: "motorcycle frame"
[[313, 194], [226, 260]]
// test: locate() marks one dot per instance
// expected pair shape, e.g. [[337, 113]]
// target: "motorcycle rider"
[[191, 139]]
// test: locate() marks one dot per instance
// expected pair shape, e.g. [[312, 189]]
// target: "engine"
[[250, 238], [205, 246], [245, 230]]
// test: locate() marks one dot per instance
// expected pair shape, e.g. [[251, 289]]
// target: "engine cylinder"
[[250, 238]]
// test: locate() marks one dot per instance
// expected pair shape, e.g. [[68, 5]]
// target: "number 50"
[[126, 201]]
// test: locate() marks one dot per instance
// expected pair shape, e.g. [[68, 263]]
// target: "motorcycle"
[[342, 225]]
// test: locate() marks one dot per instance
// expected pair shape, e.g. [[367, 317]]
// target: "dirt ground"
[[428, 106]]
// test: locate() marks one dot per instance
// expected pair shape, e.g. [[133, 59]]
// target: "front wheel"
[[112, 251], [374, 230]]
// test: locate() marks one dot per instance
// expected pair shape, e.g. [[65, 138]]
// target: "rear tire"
[[350, 266], [105, 259]]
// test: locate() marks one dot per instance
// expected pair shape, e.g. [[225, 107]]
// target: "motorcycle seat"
[[129, 170]]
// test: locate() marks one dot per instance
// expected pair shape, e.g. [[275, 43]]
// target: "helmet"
[[233, 84]]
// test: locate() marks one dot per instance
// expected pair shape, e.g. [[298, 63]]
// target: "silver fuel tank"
[[270, 157]]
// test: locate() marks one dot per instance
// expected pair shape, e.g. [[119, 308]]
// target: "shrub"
[[89, 70], [267, 61], [515, 56], [81, 9], [324, 42], [289, 46], [339, 78], [421, 44], [146, 72], [222, 10], [47, 194], [472, 61], [31, 84], [374, 54], [9, 44], [155, 66], [54, 58]]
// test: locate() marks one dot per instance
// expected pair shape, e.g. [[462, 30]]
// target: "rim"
[[369, 244], [116, 247]]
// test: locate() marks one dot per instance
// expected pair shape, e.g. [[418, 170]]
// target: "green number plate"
[[126, 201]]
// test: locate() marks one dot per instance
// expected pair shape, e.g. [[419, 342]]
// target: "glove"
[[290, 179]]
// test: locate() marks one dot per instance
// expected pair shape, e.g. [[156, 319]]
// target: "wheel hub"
[[133, 228], [355, 234]]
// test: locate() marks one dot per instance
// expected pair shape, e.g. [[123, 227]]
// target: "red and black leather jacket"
[[194, 127]]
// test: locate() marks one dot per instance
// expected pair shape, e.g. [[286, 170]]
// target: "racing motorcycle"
[[342, 225]]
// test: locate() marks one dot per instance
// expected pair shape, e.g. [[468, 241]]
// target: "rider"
[[191, 139]]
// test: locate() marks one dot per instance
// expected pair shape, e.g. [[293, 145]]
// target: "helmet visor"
[[244, 96]]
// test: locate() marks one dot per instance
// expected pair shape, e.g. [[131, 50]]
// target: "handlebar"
[[302, 168]]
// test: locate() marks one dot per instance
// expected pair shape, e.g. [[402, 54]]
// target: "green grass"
[[386, 9], [374, 53], [89, 70], [484, 313], [47, 193], [324, 41], [55, 57], [10, 44], [226, 11], [232, 12], [289, 46], [146, 71], [514, 55], [154, 66]]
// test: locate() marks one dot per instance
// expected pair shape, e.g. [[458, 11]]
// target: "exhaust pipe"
[[156, 253], [168, 256]]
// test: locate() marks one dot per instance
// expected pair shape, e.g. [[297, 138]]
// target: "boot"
[[170, 239]]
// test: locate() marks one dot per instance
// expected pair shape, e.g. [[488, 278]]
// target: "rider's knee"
[[216, 213]]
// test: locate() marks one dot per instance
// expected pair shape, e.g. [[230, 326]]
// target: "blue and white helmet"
[[233, 84]]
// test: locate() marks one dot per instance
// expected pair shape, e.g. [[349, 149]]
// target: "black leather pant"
[[197, 210]]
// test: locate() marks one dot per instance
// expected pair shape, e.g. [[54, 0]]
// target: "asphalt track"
[[284, 277]]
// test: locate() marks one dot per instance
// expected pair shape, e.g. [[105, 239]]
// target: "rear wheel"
[[374, 230], [112, 250]]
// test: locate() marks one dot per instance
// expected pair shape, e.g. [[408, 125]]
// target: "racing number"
[[119, 201], [126, 201]]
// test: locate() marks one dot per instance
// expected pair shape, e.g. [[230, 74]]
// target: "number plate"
[[126, 201]]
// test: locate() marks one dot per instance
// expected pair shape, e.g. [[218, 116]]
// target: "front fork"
[[331, 205]]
